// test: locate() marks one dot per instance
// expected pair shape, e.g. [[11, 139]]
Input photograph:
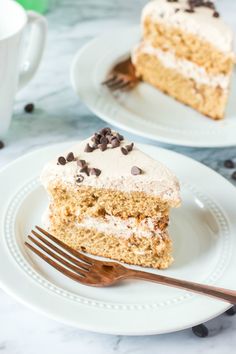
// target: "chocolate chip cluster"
[[80, 163], [126, 149], [86, 170], [104, 139]]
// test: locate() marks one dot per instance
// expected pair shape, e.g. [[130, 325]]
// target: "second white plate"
[[144, 111]]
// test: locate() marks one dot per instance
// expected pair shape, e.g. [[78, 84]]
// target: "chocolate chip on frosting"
[[105, 131], [95, 171], [115, 143], [85, 170], [79, 178], [130, 147], [70, 157], [216, 14], [136, 171], [202, 3], [209, 4], [104, 140], [94, 146], [189, 10], [124, 151], [109, 137], [96, 138], [81, 163], [103, 147], [61, 160], [119, 136], [88, 148]]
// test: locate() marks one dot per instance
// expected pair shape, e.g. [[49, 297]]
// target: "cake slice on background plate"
[[110, 199], [187, 52]]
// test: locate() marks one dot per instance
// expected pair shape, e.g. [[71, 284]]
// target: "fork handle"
[[218, 293]]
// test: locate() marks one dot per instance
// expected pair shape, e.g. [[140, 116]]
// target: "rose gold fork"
[[122, 76], [93, 272]]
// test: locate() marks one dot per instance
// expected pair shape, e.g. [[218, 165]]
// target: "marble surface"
[[60, 116]]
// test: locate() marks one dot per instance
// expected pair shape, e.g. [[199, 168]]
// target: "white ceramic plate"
[[144, 111], [203, 231]]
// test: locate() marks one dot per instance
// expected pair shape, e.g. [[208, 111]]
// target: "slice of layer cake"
[[187, 52], [110, 199]]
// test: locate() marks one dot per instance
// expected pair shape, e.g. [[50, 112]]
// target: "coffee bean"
[[29, 108]]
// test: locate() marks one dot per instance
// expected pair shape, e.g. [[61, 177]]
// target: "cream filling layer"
[[122, 228], [183, 66]]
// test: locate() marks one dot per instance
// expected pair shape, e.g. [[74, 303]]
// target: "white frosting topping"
[[201, 22], [115, 167], [183, 66], [119, 227]]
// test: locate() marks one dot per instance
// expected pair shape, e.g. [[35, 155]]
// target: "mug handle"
[[35, 48]]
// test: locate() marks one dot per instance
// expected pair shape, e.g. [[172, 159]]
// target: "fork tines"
[[116, 82], [65, 259]]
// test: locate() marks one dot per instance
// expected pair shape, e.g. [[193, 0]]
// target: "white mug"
[[15, 71]]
